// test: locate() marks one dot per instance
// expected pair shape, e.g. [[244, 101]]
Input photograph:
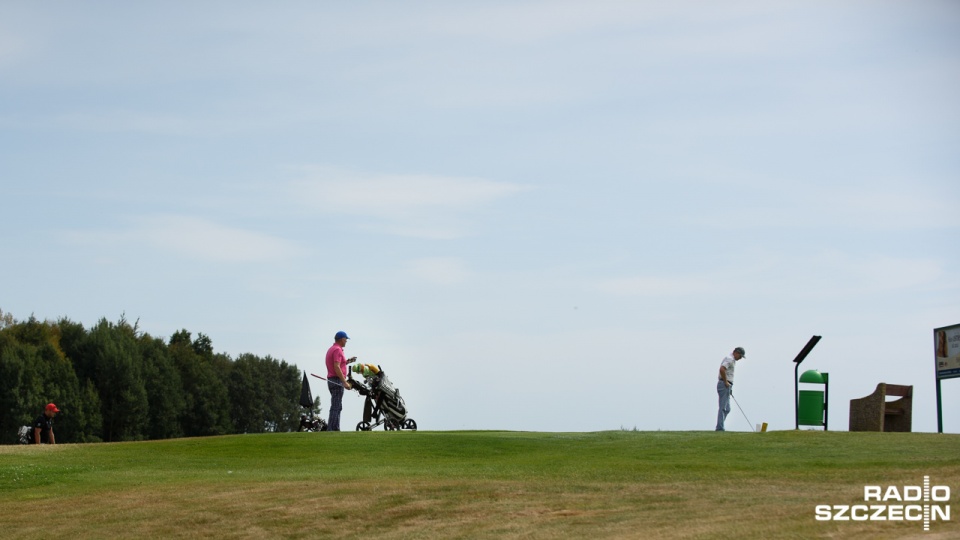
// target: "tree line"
[[113, 382]]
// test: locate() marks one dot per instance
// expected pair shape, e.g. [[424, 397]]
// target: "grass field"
[[618, 484]]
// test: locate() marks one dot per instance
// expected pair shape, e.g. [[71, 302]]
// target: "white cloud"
[[439, 270], [124, 121], [419, 205], [863, 201], [11, 49], [194, 238], [875, 208], [837, 273], [908, 207], [398, 194], [827, 273], [202, 239], [651, 285]]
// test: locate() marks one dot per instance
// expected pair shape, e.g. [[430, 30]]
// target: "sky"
[[541, 216]]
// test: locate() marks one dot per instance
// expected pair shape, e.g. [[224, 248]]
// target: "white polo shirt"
[[731, 365]]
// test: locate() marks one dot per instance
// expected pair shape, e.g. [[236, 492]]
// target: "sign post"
[[946, 346]]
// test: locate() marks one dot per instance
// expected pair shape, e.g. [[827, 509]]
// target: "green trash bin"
[[812, 404]]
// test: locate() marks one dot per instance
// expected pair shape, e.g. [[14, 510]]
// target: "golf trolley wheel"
[[363, 426], [410, 424], [391, 425]]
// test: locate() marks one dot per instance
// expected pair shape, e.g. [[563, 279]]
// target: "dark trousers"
[[336, 405]]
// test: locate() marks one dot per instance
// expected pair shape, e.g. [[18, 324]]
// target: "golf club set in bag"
[[382, 404], [309, 422]]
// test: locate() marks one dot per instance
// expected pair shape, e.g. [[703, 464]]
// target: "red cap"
[[52, 407]]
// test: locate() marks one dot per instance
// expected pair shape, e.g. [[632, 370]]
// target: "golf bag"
[[311, 423], [383, 404], [23, 434]]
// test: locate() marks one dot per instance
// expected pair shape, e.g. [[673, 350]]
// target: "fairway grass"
[[618, 484]]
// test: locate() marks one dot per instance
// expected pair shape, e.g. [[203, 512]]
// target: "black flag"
[[306, 398]]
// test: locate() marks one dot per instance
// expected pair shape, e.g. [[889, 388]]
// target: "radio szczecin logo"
[[893, 503]]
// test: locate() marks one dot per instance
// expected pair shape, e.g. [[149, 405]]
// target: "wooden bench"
[[875, 413]]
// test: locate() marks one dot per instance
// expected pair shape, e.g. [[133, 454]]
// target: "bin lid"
[[812, 376]]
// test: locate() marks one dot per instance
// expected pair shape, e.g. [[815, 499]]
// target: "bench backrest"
[[899, 390]]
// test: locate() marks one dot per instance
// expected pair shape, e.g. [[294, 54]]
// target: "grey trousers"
[[724, 394]]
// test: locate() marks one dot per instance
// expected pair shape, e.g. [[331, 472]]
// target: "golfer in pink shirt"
[[337, 378]]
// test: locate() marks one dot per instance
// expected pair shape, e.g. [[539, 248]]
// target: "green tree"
[[111, 350], [247, 390], [6, 319], [207, 403], [20, 390], [114, 383], [283, 405], [36, 371], [90, 410], [264, 395], [164, 389], [73, 339]]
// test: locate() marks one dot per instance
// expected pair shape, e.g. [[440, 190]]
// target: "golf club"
[[744, 414], [328, 380]]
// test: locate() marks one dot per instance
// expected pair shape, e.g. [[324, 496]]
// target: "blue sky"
[[553, 216]]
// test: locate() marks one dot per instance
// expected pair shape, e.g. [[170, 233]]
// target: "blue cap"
[[340, 335]]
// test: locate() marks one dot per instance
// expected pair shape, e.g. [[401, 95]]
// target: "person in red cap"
[[43, 425]]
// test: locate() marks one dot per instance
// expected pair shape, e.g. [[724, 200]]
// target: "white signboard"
[[946, 343]]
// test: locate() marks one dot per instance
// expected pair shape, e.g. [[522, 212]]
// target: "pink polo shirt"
[[335, 356]]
